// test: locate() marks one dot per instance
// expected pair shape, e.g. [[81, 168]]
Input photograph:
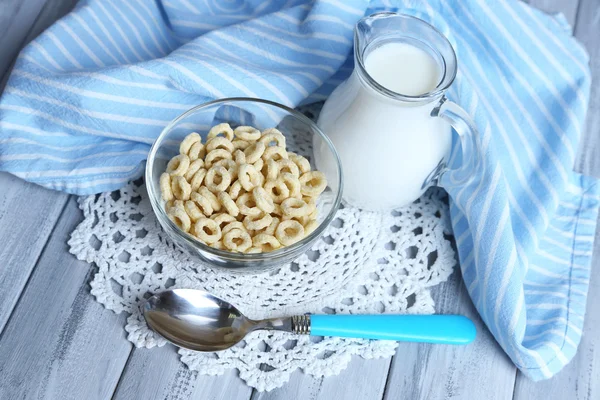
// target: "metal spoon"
[[197, 320]]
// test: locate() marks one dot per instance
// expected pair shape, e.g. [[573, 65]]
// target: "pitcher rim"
[[448, 75]]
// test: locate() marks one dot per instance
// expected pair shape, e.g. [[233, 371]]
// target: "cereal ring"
[[257, 222], [203, 202], [229, 204], [180, 187], [178, 165], [165, 187], [272, 135], [247, 205], [222, 219], [214, 202], [294, 207], [197, 151], [248, 177], [277, 210], [193, 168], [254, 152], [217, 179], [270, 230], [198, 178], [313, 183], [277, 190], [292, 183], [258, 164], [192, 209], [239, 157], [223, 128], [237, 240], [289, 232], [180, 218], [235, 190], [218, 245], [248, 133], [288, 166], [253, 250], [219, 142], [207, 230], [231, 166], [266, 242], [310, 226], [188, 141], [233, 225], [301, 162], [272, 170], [240, 144], [263, 200], [274, 152], [312, 204], [216, 155], [173, 203]]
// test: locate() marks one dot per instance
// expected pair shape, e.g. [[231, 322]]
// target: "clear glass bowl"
[[301, 136]]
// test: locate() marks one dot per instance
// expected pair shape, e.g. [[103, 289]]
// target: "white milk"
[[388, 147]]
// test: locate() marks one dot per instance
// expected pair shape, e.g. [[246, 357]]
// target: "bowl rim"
[[163, 219]]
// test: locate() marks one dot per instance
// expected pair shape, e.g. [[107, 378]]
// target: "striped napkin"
[[87, 98]]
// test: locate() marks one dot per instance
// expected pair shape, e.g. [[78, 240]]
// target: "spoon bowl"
[[195, 320]]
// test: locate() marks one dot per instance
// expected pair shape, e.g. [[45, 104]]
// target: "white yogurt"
[[387, 147]]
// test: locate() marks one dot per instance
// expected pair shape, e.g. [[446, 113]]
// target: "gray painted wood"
[[363, 379], [43, 206], [158, 374], [587, 31], [480, 370], [579, 380], [16, 19], [60, 343], [28, 214], [567, 7], [50, 12]]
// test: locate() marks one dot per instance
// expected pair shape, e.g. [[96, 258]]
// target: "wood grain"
[[363, 379], [567, 7], [480, 370], [28, 214], [579, 380], [50, 12], [60, 343], [587, 31], [22, 244], [158, 374], [16, 19]]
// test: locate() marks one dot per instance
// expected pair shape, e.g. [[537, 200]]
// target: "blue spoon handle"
[[445, 329]]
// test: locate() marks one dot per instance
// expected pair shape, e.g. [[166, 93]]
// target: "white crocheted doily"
[[364, 263]]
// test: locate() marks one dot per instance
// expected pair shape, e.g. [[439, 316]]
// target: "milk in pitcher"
[[388, 147]]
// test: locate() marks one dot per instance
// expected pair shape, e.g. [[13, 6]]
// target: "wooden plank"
[[43, 205], [158, 374], [480, 370], [567, 7], [579, 379], [60, 343], [363, 379], [28, 213], [50, 12], [16, 18], [586, 31]]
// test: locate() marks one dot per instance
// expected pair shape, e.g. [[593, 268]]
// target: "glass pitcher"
[[394, 146]]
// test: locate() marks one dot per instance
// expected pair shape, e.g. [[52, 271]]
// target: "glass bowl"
[[302, 135]]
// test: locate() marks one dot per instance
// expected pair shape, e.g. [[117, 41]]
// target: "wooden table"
[[56, 342]]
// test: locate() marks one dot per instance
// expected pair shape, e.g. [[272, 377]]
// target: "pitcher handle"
[[468, 133]]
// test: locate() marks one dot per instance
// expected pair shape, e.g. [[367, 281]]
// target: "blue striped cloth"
[[87, 98]]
